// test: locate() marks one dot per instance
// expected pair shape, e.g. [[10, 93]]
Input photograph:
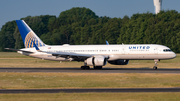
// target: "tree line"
[[79, 26]]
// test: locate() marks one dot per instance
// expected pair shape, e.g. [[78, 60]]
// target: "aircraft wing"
[[68, 55], [74, 56], [17, 50]]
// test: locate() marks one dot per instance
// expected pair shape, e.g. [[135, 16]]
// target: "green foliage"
[[83, 26], [6, 35]]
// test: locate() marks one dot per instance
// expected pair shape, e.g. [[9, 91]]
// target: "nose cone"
[[173, 55]]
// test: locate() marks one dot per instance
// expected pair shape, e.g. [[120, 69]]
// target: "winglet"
[[107, 43]]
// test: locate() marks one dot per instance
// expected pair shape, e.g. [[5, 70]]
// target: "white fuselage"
[[113, 52]]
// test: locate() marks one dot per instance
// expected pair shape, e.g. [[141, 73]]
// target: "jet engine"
[[119, 62], [96, 61]]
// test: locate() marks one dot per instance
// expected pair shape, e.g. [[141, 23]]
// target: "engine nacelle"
[[119, 62], [96, 61]]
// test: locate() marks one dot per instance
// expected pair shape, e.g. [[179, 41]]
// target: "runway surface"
[[98, 90], [104, 70]]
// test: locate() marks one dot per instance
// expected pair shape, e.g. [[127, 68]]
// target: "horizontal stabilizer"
[[17, 50]]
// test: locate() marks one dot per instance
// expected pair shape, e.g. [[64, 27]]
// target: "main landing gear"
[[85, 67], [97, 67], [155, 66]]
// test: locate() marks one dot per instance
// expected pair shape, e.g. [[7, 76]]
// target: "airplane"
[[92, 55]]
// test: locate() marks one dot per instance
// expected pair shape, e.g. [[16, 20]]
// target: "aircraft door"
[[123, 50], [156, 50]]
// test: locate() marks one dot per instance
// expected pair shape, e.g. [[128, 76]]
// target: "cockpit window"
[[167, 50]]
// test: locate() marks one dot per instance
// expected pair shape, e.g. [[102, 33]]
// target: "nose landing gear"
[[155, 66]]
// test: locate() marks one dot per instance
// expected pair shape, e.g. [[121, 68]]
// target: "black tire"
[[97, 67], [85, 67], [82, 67], [154, 67], [100, 67]]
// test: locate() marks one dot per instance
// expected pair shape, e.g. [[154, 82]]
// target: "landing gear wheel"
[[97, 67], [154, 67], [155, 60], [85, 67]]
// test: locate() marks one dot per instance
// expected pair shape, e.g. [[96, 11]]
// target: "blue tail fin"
[[28, 36], [107, 43]]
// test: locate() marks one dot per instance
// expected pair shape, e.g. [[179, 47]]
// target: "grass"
[[92, 97], [12, 55], [12, 59], [86, 80]]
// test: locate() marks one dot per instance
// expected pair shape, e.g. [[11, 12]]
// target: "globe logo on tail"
[[32, 38]]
